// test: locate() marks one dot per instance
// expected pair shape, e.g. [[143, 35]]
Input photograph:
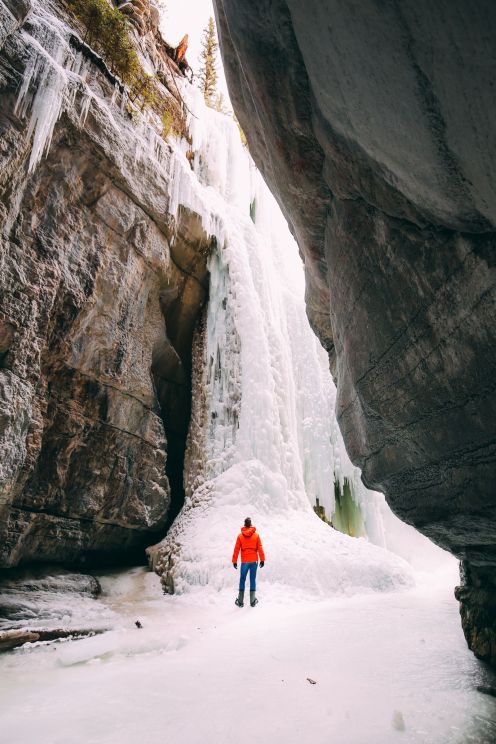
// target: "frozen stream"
[[201, 670]]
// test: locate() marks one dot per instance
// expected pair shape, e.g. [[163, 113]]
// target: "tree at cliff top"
[[106, 30], [208, 60]]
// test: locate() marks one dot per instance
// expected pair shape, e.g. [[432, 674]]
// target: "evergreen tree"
[[208, 60]]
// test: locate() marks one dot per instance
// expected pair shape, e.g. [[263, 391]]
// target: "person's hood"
[[248, 531]]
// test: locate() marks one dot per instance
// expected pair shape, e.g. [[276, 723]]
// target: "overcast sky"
[[189, 17]]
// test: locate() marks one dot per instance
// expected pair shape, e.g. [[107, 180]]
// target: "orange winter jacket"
[[250, 545]]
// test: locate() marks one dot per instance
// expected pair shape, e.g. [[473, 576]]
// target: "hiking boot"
[[253, 599], [240, 599]]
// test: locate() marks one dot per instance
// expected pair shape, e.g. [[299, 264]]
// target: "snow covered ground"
[[388, 667]]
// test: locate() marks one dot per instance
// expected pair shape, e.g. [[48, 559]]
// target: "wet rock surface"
[[477, 597], [10, 639], [373, 124], [98, 287], [45, 600]]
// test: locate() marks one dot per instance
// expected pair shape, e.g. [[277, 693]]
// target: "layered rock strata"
[[373, 125], [100, 291]]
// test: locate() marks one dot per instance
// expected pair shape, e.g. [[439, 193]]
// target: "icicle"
[[58, 77], [85, 107], [47, 71]]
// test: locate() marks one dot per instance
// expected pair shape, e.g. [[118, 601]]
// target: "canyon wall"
[[100, 293], [374, 126]]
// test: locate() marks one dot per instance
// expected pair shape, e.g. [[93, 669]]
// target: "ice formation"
[[55, 72], [263, 439], [263, 436], [57, 79]]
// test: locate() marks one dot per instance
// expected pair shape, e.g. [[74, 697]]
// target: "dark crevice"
[[175, 405], [176, 450], [171, 371]]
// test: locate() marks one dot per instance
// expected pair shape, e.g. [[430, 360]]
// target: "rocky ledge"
[[100, 292], [373, 123]]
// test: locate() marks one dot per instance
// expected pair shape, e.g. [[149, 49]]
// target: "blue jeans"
[[252, 568]]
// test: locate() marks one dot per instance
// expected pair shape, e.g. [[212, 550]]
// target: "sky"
[[190, 17]]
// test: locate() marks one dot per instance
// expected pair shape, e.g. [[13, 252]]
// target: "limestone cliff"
[[100, 292], [374, 125]]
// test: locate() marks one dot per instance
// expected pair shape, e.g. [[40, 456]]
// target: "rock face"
[[145, 17], [100, 292], [41, 596], [373, 124]]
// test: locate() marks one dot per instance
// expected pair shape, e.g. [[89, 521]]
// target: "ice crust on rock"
[[55, 72], [58, 79]]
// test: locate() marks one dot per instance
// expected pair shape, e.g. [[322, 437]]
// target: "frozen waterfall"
[[263, 439]]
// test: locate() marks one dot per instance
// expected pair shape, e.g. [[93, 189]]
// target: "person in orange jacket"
[[250, 544]]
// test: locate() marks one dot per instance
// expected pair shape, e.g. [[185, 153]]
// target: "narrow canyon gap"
[[373, 125]]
